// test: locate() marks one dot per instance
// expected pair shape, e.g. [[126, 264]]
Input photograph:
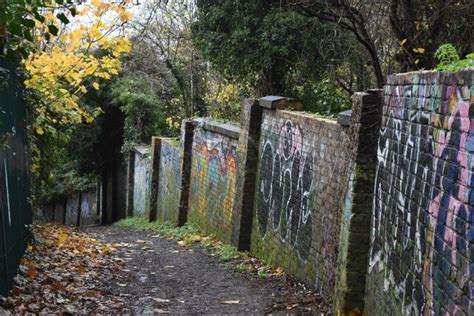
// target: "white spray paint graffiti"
[[286, 184]]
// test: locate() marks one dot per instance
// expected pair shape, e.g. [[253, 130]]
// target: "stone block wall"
[[303, 169], [421, 259], [213, 174]]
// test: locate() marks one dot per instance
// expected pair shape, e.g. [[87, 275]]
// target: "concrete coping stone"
[[143, 150], [344, 117], [280, 103], [174, 141], [225, 129], [312, 116], [428, 77]]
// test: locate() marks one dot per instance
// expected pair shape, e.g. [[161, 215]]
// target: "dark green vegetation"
[[17, 27], [449, 59], [354, 43], [273, 50]]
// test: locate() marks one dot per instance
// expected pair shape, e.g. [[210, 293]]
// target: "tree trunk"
[[272, 81], [182, 87]]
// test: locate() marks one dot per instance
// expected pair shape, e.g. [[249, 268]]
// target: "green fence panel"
[[15, 211]]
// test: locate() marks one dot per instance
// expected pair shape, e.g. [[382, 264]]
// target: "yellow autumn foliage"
[[66, 67], [223, 98]]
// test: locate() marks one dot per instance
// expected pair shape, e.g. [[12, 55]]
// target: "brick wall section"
[[169, 183], [421, 259], [247, 164], [186, 141], [213, 177], [353, 251], [304, 164]]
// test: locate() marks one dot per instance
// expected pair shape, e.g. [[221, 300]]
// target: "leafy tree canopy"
[[258, 41]]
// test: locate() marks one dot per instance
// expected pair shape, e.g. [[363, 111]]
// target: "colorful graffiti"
[[285, 187], [423, 218], [213, 177]]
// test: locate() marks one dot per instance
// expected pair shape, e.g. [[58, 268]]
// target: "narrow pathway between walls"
[[143, 273], [162, 276]]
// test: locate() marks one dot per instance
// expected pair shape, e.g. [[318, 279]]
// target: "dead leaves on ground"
[[64, 271], [296, 297], [241, 261]]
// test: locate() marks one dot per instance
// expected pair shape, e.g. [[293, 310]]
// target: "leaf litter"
[[65, 271]]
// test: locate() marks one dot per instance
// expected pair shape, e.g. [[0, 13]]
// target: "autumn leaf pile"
[[65, 271]]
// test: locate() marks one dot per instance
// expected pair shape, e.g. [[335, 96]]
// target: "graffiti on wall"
[[422, 219], [213, 177], [284, 189]]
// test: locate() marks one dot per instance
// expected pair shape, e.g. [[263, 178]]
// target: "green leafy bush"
[[144, 115], [323, 97], [449, 59]]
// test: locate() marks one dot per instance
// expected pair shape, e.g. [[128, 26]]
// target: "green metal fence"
[[15, 211]]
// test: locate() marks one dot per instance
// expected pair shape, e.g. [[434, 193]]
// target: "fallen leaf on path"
[[183, 243], [291, 306], [161, 311], [122, 244], [195, 238], [279, 270], [231, 302]]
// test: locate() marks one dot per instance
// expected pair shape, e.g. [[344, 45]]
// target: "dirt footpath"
[[161, 277]]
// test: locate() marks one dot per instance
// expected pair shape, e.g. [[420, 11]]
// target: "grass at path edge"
[[188, 235]]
